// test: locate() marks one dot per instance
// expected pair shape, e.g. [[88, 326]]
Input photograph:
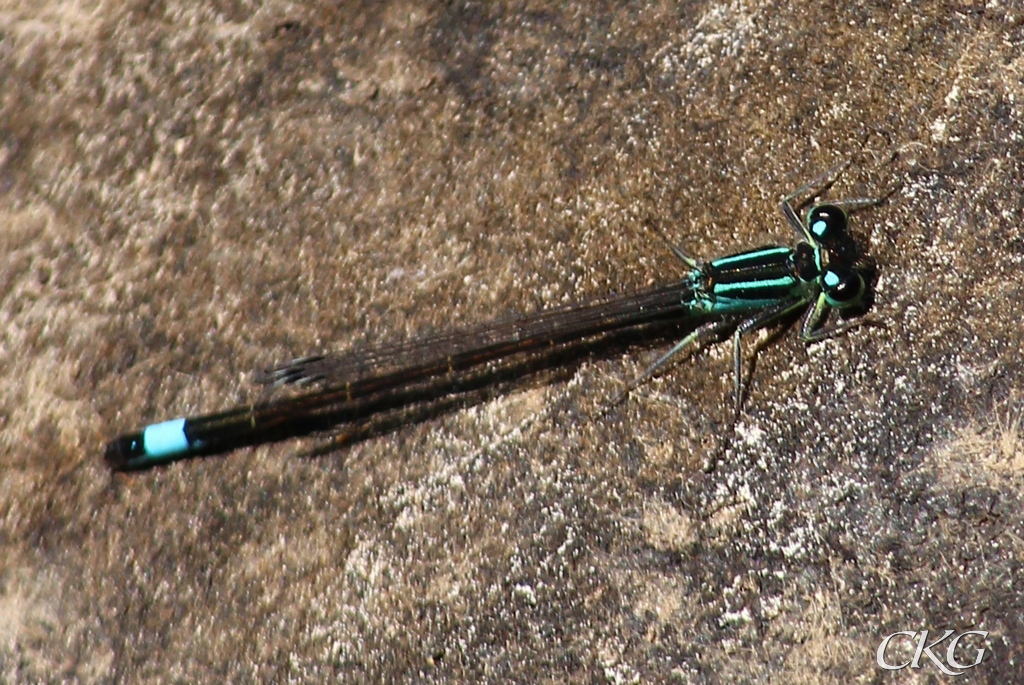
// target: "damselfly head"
[[842, 280]]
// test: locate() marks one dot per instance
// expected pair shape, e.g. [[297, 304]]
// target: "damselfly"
[[739, 293]]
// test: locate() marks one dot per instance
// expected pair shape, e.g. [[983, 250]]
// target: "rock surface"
[[191, 191]]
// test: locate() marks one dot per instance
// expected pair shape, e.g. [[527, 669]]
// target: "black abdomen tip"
[[124, 451]]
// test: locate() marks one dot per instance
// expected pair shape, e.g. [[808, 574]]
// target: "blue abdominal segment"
[[155, 444], [165, 439]]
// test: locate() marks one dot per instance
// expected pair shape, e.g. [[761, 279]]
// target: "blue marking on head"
[[165, 439], [831, 278], [819, 227]]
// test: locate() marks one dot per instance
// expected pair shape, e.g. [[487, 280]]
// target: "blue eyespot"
[[842, 286], [827, 223]]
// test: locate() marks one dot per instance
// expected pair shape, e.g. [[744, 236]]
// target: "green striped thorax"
[[824, 263]]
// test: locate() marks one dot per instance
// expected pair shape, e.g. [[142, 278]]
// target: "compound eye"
[[827, 223], [842, 286]]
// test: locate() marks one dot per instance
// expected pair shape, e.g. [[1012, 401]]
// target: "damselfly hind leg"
[[765, 318], [703, 335]]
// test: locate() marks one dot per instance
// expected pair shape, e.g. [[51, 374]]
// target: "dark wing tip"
[[296, 372]]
